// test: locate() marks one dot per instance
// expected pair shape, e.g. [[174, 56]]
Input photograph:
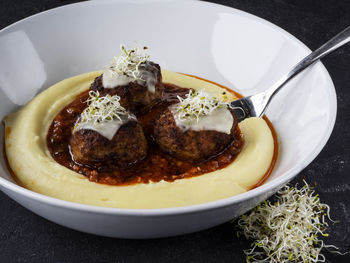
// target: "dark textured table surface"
[[26, 237]]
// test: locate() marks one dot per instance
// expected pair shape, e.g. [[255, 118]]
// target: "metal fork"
[[256, 105]]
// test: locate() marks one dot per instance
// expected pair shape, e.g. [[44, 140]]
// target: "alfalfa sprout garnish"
[[198, 103], [102, 109], [129, 62], [288, 230]]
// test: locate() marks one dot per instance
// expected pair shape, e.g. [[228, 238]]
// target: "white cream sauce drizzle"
[[220, 120], [106, 129], [148, 78], [111, 79]]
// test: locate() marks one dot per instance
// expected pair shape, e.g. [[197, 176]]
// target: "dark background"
[[26, 237]]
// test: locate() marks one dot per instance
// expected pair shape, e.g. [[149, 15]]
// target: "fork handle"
[[334, 43]]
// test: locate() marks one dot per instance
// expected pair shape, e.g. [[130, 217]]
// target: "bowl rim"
[[218, 204]]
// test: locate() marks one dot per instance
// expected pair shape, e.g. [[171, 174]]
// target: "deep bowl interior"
[[218, 43]]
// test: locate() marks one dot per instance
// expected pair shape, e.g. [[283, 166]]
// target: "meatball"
[[134, 96], [194, 146], [128, 146]]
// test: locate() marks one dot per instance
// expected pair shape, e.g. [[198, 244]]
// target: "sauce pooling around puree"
[[157, 166]]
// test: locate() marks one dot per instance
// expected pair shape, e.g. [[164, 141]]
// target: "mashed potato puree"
[[34, 167]]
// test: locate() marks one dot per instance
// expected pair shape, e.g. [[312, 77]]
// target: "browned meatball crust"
[[128, 146], [133, 97], [195, 146]]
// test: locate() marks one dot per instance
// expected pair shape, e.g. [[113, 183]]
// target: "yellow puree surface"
[[34, 167]]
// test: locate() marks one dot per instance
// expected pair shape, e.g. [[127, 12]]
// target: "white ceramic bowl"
[[211, 41]]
